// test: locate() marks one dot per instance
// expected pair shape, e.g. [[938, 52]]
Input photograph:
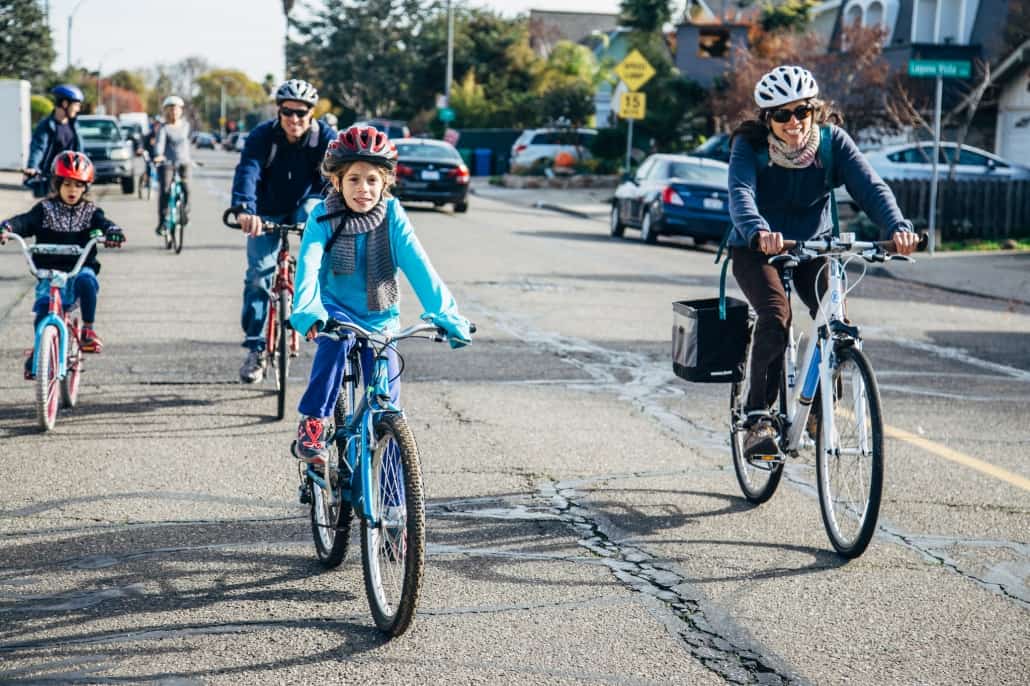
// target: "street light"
[[68, 54], [450, 53]]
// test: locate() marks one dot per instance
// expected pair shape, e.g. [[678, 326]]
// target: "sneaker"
[[760, 440], [160, 230], [312, 437], [30, 374], [253, 369], [89, 341]]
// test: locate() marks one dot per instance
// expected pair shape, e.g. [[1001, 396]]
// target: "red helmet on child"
[[74, 165], [362, 144]]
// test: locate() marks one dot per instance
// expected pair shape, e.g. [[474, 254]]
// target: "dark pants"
[[165, 174], [763, 288]]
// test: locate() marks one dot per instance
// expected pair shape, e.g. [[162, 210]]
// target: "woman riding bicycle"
[[171, 152], [788, 198]]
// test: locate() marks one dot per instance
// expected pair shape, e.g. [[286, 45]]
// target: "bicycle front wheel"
[[48, 368], [758, 480], [849, 455], [70, 382], [393, 550], [282, 348], [180, 228]]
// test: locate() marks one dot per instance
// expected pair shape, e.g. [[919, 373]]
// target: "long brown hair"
[[756, 129]]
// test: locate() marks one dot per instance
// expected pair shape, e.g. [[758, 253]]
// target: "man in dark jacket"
[[278, 169], [53, 135]]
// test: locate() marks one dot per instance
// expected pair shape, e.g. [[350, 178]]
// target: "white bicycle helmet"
[[295, 89], [785, 84], [173, 100]]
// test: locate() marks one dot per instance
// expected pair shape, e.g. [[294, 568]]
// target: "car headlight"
[[120, 154]]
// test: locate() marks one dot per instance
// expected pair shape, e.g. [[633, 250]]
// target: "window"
[[874, 14], [697, 173], [427, 152], [99, 130], [645, 168], [713, 43]]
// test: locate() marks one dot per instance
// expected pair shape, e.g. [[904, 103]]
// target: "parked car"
[[393, 128], [535, 144], [913, 161], [433, 171], [204, 140], [237, 144], [134, 133], [716, 148], [230, 141], [113, 154], [674, 194]]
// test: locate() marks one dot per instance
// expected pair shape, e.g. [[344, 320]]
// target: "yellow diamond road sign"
[[633, 105], [635, 70]]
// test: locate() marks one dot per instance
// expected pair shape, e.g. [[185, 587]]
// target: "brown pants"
[[763, 288]]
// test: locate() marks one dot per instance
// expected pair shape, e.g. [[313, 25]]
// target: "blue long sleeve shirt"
[[796, 203], [317, 287]]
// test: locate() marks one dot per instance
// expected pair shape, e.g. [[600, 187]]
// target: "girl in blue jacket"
[[354, 242]]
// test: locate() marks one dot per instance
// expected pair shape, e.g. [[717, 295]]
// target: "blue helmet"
[[66, 91]]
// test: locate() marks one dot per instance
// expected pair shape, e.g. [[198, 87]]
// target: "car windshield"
[[99, 130], [697, 173], [416, 151]]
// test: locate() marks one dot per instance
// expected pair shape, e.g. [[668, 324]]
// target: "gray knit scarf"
[[381, 280], [784, 155]]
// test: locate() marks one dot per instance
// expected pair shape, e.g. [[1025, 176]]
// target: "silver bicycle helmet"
[[785, 84], [173, 100], [295, 89]]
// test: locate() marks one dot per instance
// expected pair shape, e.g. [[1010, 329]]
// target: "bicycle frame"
[[282, 282], [172, 210]]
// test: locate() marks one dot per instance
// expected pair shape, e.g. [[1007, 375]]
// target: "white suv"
[[535, 144]]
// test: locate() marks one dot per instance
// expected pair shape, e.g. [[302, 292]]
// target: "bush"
[[40, 107]]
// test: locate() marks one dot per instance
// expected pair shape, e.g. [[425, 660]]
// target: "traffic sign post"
[[939, 70], [633, 105], [634, 71]]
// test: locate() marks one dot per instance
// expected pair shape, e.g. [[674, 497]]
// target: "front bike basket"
[[706, 348]]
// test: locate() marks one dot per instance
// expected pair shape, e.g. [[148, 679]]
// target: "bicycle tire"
[[144, 180], [180, 227], [47, 382], [851, 541], [73, 367], [758, 483], [395, 559], [283, 353]]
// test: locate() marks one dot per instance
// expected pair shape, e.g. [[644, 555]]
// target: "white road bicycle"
[[847, 424]]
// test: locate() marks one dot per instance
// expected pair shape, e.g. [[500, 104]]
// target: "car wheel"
[[128, 185], [615, 227], [462, 206], [649, 229]]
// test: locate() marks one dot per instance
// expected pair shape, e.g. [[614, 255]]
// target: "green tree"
[[242, 95], [792, 15], [646, 16], [572, 104], [41, 106], [131, 81], [26, 47]]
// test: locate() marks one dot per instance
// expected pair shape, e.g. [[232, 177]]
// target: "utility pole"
[[68, 53], [221, 117], [287, 6], [450, 53]]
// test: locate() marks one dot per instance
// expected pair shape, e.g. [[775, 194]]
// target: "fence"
[[976, 208]]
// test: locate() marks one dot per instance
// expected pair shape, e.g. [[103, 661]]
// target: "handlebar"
[[337, 330], [54, 249], [872, 251], [229, 218]]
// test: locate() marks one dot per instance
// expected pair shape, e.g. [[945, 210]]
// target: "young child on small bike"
[[354, 242], [68, 217]]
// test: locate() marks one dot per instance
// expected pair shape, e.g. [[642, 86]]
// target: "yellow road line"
[[960, 458]]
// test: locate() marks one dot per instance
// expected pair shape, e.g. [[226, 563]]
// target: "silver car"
[[913, 161], [535, 144]]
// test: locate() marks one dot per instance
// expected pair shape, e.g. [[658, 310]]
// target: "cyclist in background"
[[278, 169], [788, 199], [52, 136], [354, 243], [68, 217], [171, 152]]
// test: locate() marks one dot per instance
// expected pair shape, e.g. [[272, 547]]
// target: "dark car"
[[112, 153], [674, 194], [204, 141], [716, 148], [431, 171]]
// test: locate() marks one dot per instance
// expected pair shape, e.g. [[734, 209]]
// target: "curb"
[[564, 210], [880, 271]]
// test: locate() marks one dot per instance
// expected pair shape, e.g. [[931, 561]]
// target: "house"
[[1011, 78], [704, 50], [547, 28]]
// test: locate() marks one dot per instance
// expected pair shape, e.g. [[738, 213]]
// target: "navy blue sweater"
[[279, 188], [796, 203]]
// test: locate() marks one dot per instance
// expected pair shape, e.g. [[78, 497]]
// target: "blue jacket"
[[42, 144], [796, 202], [278, 188], [317, 287]]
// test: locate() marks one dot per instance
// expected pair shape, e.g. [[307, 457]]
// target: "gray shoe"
[[253, 369], [760, 440]]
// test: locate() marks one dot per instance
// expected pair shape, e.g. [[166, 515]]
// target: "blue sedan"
[[674, 194]]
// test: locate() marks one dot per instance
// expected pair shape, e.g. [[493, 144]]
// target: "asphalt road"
[[585, 525]]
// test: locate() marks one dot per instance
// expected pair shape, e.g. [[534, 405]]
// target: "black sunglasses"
[[290, 112], [782, 116]]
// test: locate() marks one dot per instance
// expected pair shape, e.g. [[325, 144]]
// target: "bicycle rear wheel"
[[849, 458], [47, 381], [330, 524], [393, 551], [180, 227], [759, 480], [70, 382], [282, 353]]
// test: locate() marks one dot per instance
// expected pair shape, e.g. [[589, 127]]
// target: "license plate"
[[428, 175], [712, 204]]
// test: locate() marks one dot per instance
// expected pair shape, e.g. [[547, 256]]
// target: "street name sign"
[[948, 69], [635, 70], [633, 105]]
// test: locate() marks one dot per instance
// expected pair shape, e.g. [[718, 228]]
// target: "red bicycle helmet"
[[361, 144], [74, 165]]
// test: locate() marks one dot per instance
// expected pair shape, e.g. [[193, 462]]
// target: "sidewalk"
[[997, 275]]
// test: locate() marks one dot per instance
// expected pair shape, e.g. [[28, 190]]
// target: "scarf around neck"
[[381, 272], [785, 155]]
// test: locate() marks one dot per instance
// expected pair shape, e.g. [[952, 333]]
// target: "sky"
[[231, 34]]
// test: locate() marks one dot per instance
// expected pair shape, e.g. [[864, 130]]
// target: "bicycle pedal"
[[766, 460]]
